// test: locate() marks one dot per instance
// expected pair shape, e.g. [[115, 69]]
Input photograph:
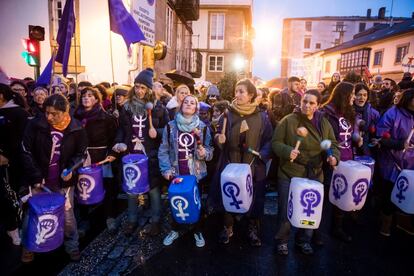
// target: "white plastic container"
[[403, 193], [237, 187], [349, 185], [305, 203]]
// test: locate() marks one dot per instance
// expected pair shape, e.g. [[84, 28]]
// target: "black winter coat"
[[37, 146], [13, 121], [101, 131], [124, 135]]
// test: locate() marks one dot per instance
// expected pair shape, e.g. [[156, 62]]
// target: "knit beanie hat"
[[213, 91], [145, 77]]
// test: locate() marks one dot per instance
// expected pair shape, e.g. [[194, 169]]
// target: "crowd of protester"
[[45, 130]]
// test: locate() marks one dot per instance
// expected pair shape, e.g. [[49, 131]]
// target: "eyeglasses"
[[18, 89]]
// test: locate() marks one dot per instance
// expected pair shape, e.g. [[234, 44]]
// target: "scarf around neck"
[[62, 125], [186, 124], [245, 109], [88, 116], [135, 106]]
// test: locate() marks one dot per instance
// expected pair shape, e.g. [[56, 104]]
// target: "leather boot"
[[338, 230], [253, 233], [405, 223], [386, 222]]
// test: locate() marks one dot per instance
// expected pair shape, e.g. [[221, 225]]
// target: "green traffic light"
[[30, 60]]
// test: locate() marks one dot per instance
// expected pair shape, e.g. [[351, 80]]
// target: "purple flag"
[[64, 36], [3, 77], [122, 23], [44, 78]]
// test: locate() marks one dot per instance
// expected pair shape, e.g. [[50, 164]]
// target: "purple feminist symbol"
[[339, 185], [249, 185], [290, 206], [359, 190], [310, 198], [231, 190], [402, 186]]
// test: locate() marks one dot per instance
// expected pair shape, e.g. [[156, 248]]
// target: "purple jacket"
[[398, 122], [343, 131], [371, 116]]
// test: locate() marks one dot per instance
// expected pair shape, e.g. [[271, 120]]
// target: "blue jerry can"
[[184, 199]]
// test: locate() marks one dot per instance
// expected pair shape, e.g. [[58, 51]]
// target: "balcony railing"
[[196, 64], [188, 9]]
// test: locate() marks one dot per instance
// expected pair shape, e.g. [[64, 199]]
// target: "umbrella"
[[180, 76]]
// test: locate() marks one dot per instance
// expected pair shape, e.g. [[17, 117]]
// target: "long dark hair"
[[340, 100], [406, 98]]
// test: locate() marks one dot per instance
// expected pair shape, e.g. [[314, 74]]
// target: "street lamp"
[[239, 63]]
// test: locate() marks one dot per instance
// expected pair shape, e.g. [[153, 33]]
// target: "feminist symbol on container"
[[197, 198], [131, 174], [86, 184], [186, 140], [46, 228], [231, 190], [249, 185], [310, 198], [180, 204], [402, 186], [359, 190], [290, 205], [339, 185], [346, 128]]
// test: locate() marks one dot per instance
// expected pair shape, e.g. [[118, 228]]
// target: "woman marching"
[[176, 158], [397, 153], [365, 113], [305, 161], [52, 143], [246, 128], [339, 112], [174, 104], [137, 135], [101, 130], [13, 120]]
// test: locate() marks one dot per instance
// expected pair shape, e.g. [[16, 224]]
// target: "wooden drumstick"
[[409, 137], [301, 133], [223, 129], [152, 132]]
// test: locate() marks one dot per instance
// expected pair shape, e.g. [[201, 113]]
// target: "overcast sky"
[[268, 19]]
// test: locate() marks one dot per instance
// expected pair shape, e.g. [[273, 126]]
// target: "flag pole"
[[76, 68], [112, 58], [53, 71]]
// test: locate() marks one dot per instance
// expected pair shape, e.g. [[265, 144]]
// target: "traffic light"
[[32, 51]]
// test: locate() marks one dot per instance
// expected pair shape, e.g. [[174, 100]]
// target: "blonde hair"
[[182, 86]]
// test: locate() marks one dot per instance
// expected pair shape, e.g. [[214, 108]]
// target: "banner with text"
[[143, 12]]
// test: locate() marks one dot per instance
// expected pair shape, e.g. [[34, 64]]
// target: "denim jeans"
[[71, 240], [282, 236], [155, 201]]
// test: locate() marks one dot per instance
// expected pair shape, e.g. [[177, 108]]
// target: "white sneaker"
[[15, 236], [170, 238], [199, 239]]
